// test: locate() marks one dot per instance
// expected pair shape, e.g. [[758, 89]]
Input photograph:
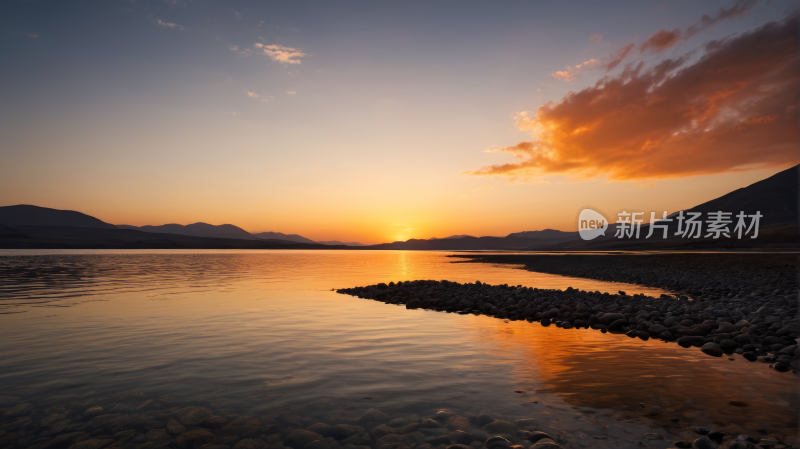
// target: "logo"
[[591, 224]]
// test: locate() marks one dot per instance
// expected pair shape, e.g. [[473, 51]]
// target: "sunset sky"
[[383, 121]]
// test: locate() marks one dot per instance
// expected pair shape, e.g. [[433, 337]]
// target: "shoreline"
[[763, 328]]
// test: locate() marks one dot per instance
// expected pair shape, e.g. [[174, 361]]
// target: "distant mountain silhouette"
[[225, 231], [26, 215], [464, 244], [546, 234], [282, 236], [458, 236], [336, 242]]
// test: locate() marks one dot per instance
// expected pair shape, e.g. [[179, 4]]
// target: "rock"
[[414, 304], [317, 444], [397, 445], [53, 419], [666, 335], [93, 411], [92, 444], [703, 430], [398, 423], [750, 356], [682, 444], [479, 435], [430, 424], [192, 415], [458, 446], [712, 349], [537, 435], [255, 443], [438, 439], [67, 439], [704, 443], [497, 443], [500, 427], [382, 430], [434, 432], [484, 419], [156, 435], [460, 437], [342, 431], [545, 445], [174, 427], [414, 438], [654, 436], [372, 415], [443, 415], [728, 345], [214, 422], [457, 422], [413, 427], [19, 410], [657, 329], [726, 328], [300, 438], [527, 423], [194, 439]]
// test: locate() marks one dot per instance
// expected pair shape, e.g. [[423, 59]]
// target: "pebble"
[[717, 322]]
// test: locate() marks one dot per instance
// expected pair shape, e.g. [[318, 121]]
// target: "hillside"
[[27, 215]]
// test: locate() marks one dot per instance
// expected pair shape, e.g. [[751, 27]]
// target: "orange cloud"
[[282, 54], [734, 106], [596, 38], [660, 41], [570, 72]]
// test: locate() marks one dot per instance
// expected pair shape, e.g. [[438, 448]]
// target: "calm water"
[[258, 330]]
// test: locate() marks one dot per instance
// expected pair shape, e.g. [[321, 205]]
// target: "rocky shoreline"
[[138, 423], [759, 327]]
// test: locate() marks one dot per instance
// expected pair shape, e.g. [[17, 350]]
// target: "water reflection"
[[589, 368], [251, 331]]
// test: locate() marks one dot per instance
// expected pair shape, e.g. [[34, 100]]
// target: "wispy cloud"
[[253, 95], [658, 42], [570, 72], [280, 53], [241, 52], [291, 92], [733, 106], [172, 25]]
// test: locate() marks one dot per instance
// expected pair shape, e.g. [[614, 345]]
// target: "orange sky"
[[380, 123]]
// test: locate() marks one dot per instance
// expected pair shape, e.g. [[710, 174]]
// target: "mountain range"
[[775, 198]]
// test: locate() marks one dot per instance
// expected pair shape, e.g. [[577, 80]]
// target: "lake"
[[260, 331]]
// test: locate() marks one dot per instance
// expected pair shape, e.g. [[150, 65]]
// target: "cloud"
[[663, 39], [280, 53], [291, 92], [732, 107], [596, 38], [570, 72], [660, 41], [172, 25], [242, 52], [253, 95]]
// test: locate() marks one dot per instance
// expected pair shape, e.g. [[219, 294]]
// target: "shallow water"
[[257, 330]]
